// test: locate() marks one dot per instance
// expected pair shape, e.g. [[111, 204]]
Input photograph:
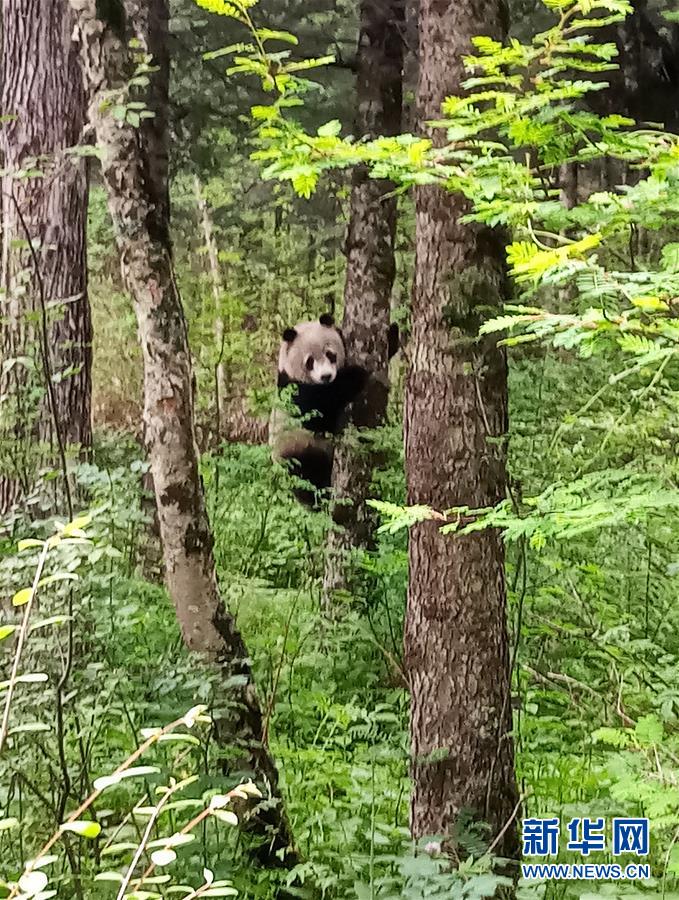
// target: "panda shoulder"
[[350, 382]]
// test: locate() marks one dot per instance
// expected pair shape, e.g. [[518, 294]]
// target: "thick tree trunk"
[[138, 207], [369, 280], [456, 645], [42, 92]]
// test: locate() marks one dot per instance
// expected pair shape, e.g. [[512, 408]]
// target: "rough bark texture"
[[369, 280], [644, 87], [410, 63], [138, 207], [646, 82], [42, 91], [456, 645]]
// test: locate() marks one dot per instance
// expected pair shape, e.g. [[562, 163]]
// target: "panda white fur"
[[313, 359]]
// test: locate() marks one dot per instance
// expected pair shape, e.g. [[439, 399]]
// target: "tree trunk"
[[44, 267], [456, 645], [220, 384], [369, 280], [643, 87], [138, 207]]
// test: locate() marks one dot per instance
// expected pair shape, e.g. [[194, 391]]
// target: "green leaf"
[[163, 857], [135, 772], [57, 577], [43, 861], [31, 678], [330, 129], [29, 542], [32, 883], [179, 737], [174, 840], [82, 828], [30, 728], [22, 597], [614, 737], [6, 631], [225, 815], [268, 34], [220, 892], [53, 620], [232, 48], [649, 730], [115, 849]]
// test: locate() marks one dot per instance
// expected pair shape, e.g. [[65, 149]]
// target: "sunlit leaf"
[[107, 781], [82, 828], [32, 883], [28, 543], [32, 678], [225, 815], [163, 857], [22, 597]]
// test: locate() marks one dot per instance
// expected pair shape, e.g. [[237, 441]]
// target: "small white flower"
[[433, 848]]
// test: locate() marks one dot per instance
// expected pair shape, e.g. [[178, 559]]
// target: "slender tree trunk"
[[217, 295], [369, 280], [410, 62], [456, 645], [44, 267], [138, 207]]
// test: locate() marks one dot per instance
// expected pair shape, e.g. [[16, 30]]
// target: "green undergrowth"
[[593, 623]]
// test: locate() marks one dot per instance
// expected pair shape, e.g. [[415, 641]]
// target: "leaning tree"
[[134, 168]]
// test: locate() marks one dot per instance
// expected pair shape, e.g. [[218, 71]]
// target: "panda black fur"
[[313, 359]]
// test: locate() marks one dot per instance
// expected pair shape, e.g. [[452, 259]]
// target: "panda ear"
[[289, 335], [327, 320]]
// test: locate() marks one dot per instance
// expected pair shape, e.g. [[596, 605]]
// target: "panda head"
[[312, 352]]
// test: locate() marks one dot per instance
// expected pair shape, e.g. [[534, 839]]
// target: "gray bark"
[[216, 281], [456, 645], [42, 92], [369, 280], [139, 209]]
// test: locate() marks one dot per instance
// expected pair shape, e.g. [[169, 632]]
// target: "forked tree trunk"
[[456, 645], [42, 94], [139, 209], [369, 280]]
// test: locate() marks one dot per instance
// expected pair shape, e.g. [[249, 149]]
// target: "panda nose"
[[326, 378]]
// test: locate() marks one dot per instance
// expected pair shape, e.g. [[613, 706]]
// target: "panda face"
[[322, 367], [312, 352]]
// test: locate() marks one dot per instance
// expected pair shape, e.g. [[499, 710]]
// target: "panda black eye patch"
[[332, 357], [309, 363]]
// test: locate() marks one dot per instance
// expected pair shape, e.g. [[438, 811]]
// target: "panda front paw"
[[350, 382]]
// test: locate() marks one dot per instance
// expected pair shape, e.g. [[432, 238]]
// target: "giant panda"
[[313, 360]]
